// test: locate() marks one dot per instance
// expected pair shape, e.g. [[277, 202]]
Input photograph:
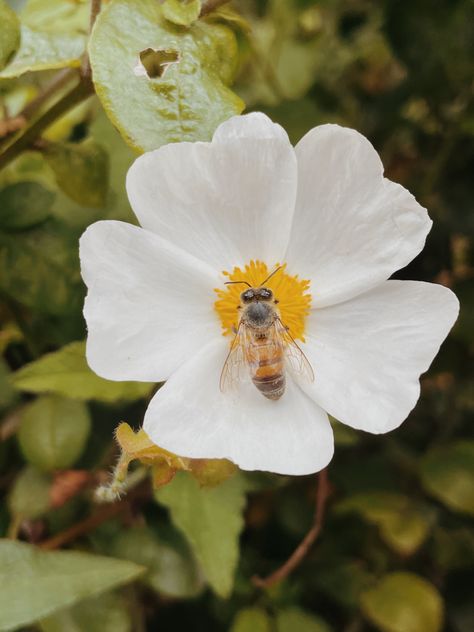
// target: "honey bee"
[[263, 345]]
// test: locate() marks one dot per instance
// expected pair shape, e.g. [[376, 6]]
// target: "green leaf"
[[190, 98], [7, 393], [36, 583], [107, 613], [29, 497], [53, 432], [252, 620], [403, 602], [182, 12], [211, 519], [404, 524], [344, 581], [171, 572], [44, 51], [9, 33], [297, 620], [24, 205], [39, 268], [66, 372], [448, 474], [57, 15], [81, 171]]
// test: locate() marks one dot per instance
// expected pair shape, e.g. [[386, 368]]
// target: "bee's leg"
[[234, 329]]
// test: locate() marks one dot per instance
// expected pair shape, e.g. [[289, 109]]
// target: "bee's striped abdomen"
[[268, 369]]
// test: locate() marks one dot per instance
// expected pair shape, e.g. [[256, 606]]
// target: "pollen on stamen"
[[292, 294]]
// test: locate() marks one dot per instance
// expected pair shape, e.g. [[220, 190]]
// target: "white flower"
[[250, 200]]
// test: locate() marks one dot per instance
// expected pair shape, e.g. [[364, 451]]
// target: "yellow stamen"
[[294, 300]]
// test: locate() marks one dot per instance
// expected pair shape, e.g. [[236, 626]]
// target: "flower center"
[[290, 292]]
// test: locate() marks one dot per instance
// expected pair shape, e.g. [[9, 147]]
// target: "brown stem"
[[211, 5], [302, 549], [60, 80], [77, 94], [106, 512], [86, 70]]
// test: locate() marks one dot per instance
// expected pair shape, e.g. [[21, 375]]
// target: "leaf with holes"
[[188, 100]]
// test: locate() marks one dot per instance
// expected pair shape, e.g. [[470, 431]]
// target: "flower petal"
[[191, 417], [225, 202], [368, 353], [149, 304], [253, 125], [352, 228]]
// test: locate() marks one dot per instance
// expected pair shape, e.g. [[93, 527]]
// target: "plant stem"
[[77, 94], [211, 5], [86, 70], [107, 512], [60, 80], [302, 549]]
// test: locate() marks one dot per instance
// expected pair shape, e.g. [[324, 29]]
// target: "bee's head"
[[256, 294]]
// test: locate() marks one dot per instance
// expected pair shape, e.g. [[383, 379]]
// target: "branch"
[[60, 80], [77, 94], [86, 70], [302, 549], [106, 512], [210, 6]]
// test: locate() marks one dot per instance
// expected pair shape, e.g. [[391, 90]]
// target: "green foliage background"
[[396, 553]]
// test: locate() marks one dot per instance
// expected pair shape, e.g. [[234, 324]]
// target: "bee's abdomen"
[[269, 376], [271, 386]]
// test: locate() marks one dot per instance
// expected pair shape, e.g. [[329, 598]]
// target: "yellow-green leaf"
[[188, 101], [37, 583], [41, 50], [403, 602], [57, 15], [403, 523], [182, 12], [106, 613], [171, 572], [81, 171], [252, 620], [53, 432], [9, 33], [29, 496], [448, 474], [39, 268], [24, 205], [66, 372], [211, 519], [298, 620]]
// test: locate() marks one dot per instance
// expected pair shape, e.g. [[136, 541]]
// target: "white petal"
[[149, 304], [368, 353], [191, 417], [225, 202], [253, 125], [352, 228]]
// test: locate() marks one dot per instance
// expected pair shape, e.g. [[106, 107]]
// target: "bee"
[[263, 345]]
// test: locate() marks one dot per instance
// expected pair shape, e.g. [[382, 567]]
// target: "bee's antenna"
[[270, 276], [233, 282]]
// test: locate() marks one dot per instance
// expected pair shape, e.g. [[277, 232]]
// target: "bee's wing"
[[235, 364], [296, 361]]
